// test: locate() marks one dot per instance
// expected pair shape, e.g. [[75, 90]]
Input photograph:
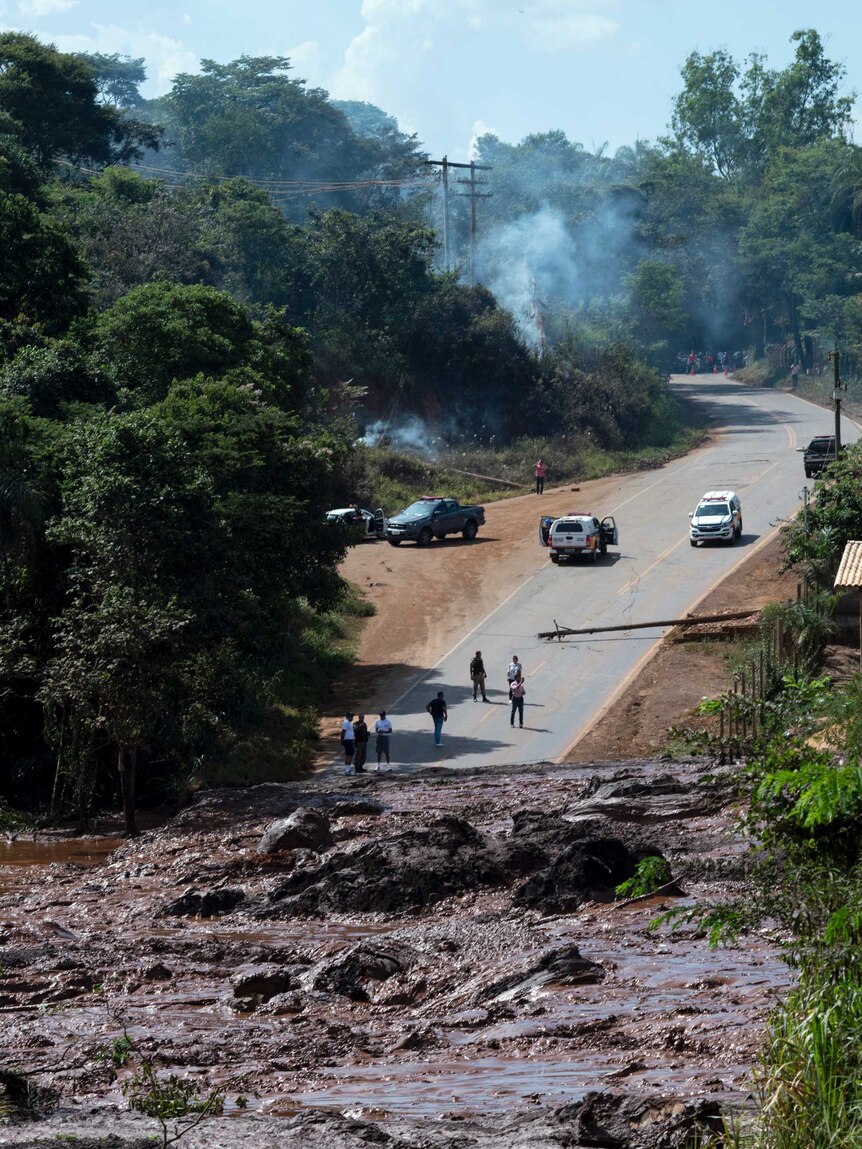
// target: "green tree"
[[133, 505], [41, 275], [657, 301], [51, 97], [708, 116], [163, 332], [118, 78], [250, 118]]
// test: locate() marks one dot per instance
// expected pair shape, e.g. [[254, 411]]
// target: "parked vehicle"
[[434, 517], [575, 535], [819, 453], [371, 523], [717, 518]]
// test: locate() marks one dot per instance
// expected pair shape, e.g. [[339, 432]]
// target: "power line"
[[474, 195]]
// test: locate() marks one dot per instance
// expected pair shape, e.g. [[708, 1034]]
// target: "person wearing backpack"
[[477, 675]]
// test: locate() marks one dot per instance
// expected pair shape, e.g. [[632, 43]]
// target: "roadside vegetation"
[[199, 357], [800, 744]]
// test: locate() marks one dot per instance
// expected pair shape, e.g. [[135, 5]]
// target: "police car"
[[717, 518], [574, 535]]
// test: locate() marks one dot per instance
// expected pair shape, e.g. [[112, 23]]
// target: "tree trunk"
[[127, 761], [759, 334], [797, 334]]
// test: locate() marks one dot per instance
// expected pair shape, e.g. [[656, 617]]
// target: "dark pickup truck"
[[432, 517], [819, 453]]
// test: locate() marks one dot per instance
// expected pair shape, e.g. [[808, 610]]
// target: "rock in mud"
[[156, 972], [607, 1119], [204, 903], [563, 966], [350, 974], [352, 806], [584, 868], [650, 800], [260, 983], [409, 870], [305, 829]]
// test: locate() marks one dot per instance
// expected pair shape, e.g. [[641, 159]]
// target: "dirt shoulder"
[[672, 684]]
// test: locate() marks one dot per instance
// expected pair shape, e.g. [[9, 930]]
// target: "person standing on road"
[[517, 695], [540, 471], [360, 734], [348, 740], [437, 709], [383, 730], [692, 362], [794, 375], [514, 671], [477, 675]]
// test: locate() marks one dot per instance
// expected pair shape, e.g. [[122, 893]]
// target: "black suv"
[[819, 453]]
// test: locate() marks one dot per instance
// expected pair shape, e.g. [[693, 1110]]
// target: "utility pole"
[[835, 356], [446, 164], [806, 494], [474, 195]]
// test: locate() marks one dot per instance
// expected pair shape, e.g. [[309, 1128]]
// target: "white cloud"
[[164, 56], [39, 8], [305, 60], [399, 32], [480, 128]]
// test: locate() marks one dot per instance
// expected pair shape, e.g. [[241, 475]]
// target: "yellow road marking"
[[637, 578]]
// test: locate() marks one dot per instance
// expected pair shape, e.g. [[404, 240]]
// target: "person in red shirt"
[[539, 472]]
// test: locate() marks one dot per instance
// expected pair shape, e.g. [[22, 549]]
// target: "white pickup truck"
[[570, 536]]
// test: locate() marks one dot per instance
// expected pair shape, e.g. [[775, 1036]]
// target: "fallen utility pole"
[[488, 478], [561, 632]]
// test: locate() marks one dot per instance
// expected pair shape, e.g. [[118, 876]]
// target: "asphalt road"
[[653, 574]]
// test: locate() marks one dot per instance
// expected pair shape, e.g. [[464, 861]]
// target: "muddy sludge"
[[468, 1005]]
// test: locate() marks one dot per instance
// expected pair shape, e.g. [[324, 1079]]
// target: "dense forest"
[[207, 299]]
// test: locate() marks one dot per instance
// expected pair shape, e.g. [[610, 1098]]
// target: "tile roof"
[[850, 571]]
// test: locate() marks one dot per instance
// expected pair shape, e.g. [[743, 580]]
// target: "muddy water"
[[78, 851], [89, 953]]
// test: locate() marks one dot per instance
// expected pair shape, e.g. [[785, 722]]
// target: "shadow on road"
[[412, 746]]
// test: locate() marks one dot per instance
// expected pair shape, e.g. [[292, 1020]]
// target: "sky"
[[603, 71]]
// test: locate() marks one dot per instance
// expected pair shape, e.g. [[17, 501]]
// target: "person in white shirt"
[[383, 729], [515, 670], [348, 738]]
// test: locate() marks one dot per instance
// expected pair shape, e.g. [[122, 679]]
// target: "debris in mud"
[[581, 870], [304, 829], [21, 1100], [419, 975], [351, 973], [563, 966], [426, 864], [410, 870], [205, 903], [260, 983], [606, 1119]]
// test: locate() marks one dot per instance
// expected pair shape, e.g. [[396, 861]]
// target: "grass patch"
[[760, 373], [389, 479]]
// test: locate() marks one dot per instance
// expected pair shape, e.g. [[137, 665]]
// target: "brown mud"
[[452, 971]]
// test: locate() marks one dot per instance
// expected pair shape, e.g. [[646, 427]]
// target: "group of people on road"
[[711, 362], [355, 734], [439, 711], [355, 737]]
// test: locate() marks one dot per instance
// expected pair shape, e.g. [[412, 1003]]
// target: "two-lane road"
[[653, 574]]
